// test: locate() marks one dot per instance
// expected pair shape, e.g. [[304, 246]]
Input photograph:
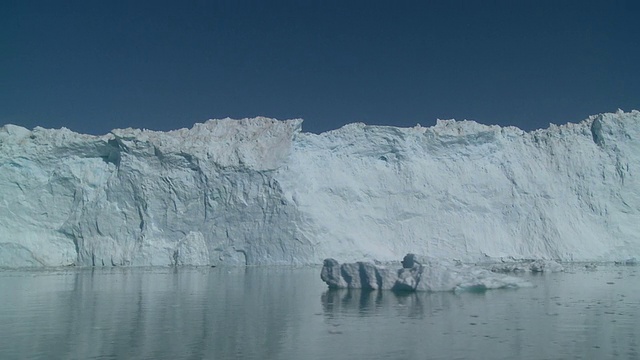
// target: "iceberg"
[[262, 191], [418, 273]]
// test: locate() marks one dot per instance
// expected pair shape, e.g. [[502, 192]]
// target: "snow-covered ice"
[[261, 191]]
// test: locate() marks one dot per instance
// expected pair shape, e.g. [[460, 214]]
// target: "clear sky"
[[96, 65]]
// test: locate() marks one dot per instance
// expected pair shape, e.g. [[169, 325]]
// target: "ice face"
[[259, 191]]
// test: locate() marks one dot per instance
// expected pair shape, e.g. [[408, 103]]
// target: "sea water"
[[288, 313]]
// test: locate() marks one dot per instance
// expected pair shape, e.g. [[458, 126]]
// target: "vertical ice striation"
[[464, 190], [137, 197], [259, 191]]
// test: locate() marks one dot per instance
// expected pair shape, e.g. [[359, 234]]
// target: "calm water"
[[287, 313]]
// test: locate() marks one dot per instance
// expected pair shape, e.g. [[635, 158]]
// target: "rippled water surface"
[[287, 313]]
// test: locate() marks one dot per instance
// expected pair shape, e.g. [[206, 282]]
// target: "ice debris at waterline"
[[417, 274], [528, 266], [261, 191]]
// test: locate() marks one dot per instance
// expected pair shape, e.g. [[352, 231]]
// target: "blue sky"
[[92, 66]]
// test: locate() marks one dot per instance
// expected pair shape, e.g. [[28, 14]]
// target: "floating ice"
[[528, 266], [416, 274]]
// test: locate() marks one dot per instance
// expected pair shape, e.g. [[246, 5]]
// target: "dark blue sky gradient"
[[96, 65]]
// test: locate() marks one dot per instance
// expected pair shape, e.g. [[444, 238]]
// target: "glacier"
[[262, 191]]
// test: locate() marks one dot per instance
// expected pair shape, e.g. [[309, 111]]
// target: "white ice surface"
[[260, 191]]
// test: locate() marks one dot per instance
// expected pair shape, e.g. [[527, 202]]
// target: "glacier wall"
[[260, 191]]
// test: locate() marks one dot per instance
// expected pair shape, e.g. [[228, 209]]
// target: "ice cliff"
[[260, 191]]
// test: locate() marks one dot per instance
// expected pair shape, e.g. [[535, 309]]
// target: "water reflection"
[[416, 305], [368, 303], [578, 314], [138, 313], [287, 313]]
